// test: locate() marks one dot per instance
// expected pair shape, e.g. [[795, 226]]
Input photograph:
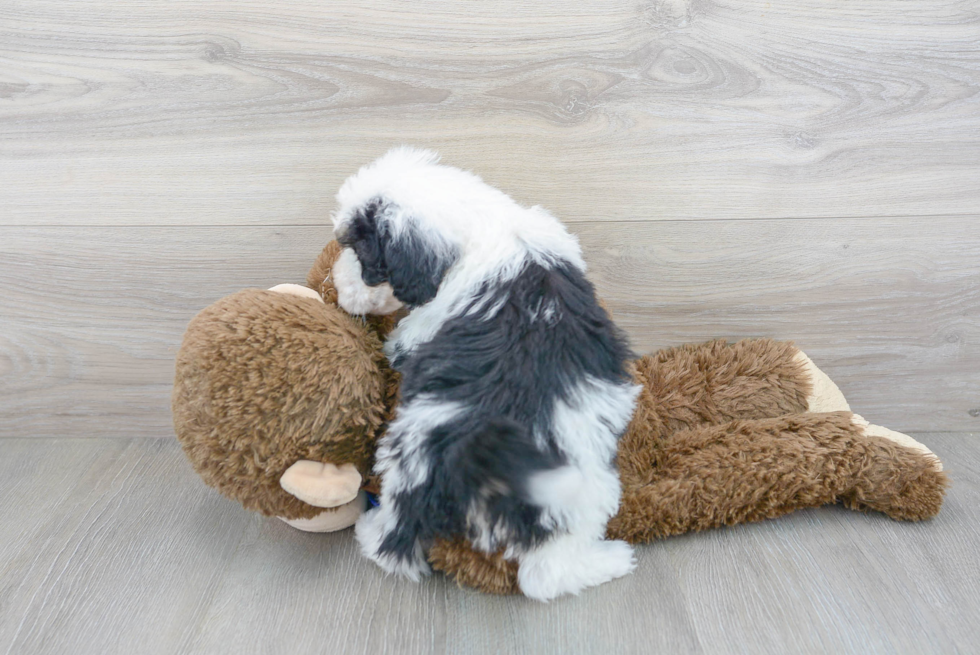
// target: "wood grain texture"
[[890, 308], [114, 546], [124, 112], [157, 156], [91, 318]]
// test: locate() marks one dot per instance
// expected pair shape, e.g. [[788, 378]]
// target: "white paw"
[[353, 295], [567, 565], [870, 430], [826, 396]]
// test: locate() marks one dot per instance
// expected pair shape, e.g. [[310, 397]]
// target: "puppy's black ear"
[[416, 265], [412, 262], [366, 235]]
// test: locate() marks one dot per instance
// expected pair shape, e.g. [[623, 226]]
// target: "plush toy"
[[280, 396]]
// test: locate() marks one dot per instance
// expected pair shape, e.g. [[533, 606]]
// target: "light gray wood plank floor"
[[91, 317], [115, 546]]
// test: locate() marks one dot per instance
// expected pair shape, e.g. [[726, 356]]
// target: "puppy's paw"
[[611, 560], [567, 565], [826, 396]]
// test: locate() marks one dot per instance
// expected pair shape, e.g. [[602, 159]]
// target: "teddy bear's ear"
[[319, 277]]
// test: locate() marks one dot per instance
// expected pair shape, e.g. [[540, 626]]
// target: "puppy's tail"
[[500, 458]]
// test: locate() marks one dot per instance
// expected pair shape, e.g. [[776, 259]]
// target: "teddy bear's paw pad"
[[331, 520], [296, 290], [871, 430], [826, 396], [321, 485], [567, 565]]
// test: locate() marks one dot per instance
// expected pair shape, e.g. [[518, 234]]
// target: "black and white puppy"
[[514, 384]]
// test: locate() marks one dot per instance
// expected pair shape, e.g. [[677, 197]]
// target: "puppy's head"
[[397, 250]]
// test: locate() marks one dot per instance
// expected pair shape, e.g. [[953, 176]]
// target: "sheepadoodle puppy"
[[514, 383]]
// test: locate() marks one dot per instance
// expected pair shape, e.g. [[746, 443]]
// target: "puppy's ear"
[[416, 264], [412, 261], [366, 235]]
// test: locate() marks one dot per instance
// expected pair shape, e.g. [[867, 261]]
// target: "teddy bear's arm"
[[714, 382], [490, 573]]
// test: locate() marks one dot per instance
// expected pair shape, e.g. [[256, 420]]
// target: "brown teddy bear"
[[280, 396]]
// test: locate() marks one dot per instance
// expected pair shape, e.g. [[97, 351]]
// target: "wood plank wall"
[[801, 169]]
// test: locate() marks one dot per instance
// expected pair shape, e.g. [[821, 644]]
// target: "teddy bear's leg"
[[899, 438], [756, 469], [718, 381]]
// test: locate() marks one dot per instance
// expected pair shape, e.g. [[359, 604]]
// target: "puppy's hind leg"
[[569, 563], [391, 545]]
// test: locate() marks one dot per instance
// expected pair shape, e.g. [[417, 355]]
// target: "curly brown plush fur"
[[720, 437], [265, 379], [247, 405]]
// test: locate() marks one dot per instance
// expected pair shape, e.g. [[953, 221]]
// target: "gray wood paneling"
[[90, 318], [251, 112], [114, 546], [890, 308]]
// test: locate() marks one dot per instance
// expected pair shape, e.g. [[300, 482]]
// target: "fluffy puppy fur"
[[514, 382]]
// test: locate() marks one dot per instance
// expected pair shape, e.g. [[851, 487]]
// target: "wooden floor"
[[799, 169], [114, 546]]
